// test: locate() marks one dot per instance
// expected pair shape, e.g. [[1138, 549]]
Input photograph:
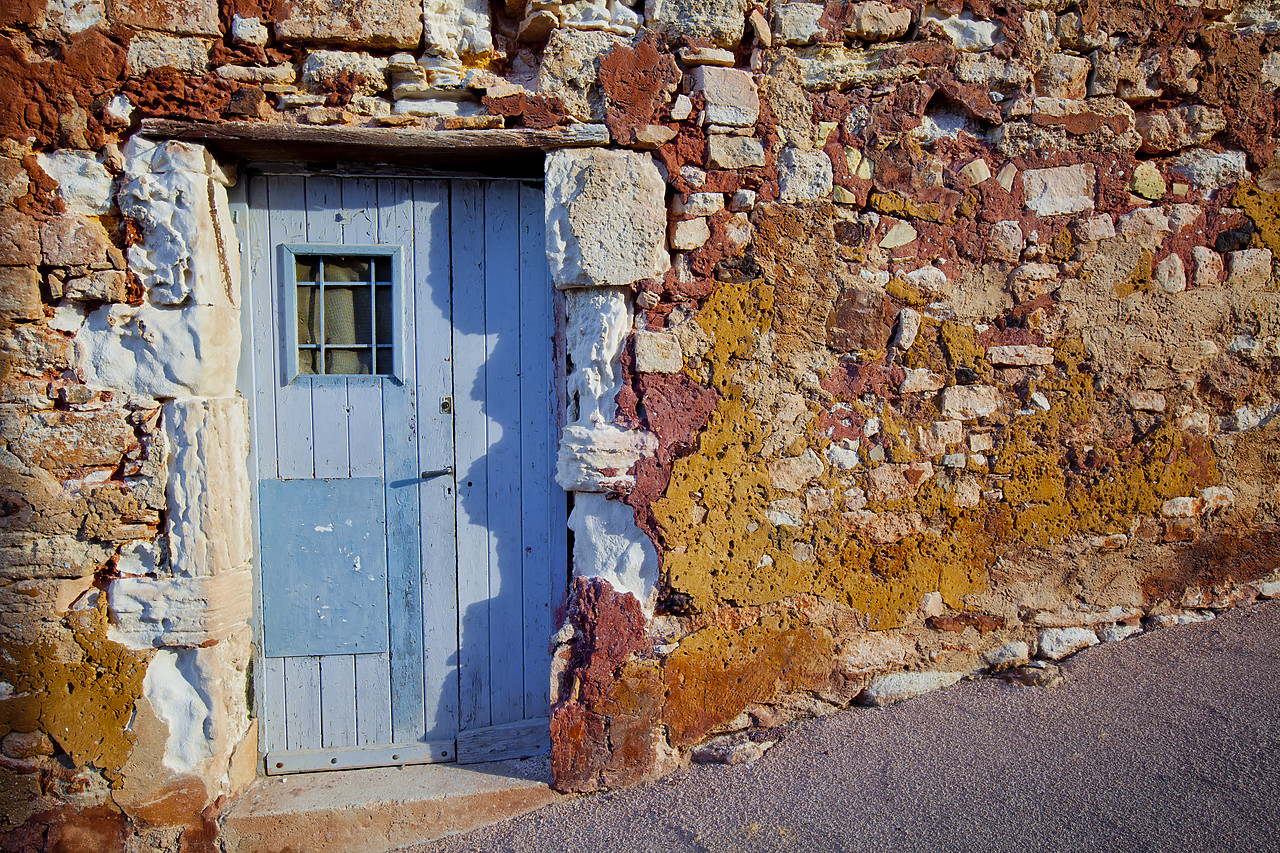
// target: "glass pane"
[[345, 361], [308, 315], [386, 315], [382, 270], [346, 269], [307, 268], [346, 315], [307, 362], [384, 361]]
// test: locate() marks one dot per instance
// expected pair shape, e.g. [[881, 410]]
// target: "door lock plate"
[[446, 405]]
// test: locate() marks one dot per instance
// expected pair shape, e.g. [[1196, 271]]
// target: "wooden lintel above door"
[[510, 152]]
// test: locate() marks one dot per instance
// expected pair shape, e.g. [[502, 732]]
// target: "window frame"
[[290, 253]]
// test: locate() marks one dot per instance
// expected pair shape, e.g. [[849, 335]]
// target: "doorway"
[[404, 431]]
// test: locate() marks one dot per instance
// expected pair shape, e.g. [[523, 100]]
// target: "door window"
[[346, 300]]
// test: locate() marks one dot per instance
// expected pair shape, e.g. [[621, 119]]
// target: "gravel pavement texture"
[[1168, 741]]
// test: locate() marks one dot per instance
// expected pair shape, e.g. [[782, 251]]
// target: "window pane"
[[346, 269], [382, 270], [384, 365], [307, 268], [346, 315], [345, 361], [386, 315], [307, 362], [308, 315]]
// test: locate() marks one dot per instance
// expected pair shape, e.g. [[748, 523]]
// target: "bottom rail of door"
[[353, 757]]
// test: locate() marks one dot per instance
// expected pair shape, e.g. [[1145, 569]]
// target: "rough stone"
[[76, 240], [196, 18], [695, 56], [731, 750], [1148, 182], [156, 50], [1005, 241], [720, 21], [791, 474], [657, 352], [735, 152], [894, 481], [1063, 76], [1249, 269], [1171, 275], [249, 31], [796, 22], [606, 218], [1208, 267], [608, 545], [379, 24], [965, 31], [1209, 170], [872, 21], [1007, 656], [322, 68], [804, 175], [1063, 189], [730, 96], [1019, 355], [1186, 126], [688, 234], [1057, 643], [20, 294], [896, 687], [969, 402], [570, 71]]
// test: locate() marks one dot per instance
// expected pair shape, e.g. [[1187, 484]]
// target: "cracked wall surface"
[[905, 342]]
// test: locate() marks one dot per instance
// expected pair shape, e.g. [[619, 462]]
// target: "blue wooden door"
[[411, 538]]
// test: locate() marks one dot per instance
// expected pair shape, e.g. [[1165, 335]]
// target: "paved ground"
[[1165, 742]]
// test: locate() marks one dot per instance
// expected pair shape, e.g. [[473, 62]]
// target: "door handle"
[[431, 475]]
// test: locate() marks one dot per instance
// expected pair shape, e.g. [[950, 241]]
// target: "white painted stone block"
[[607, 544], [208, 520], [606, 218]]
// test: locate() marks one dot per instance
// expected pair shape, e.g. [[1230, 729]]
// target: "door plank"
[[522, 739], [337, 700], [539, 493], [295, 457], [433, 366], [272, 712], [360, 201], [502, 370], [302, 702], [398, 446], [373, 699], [260, 305], [471, 435], [325, 216]]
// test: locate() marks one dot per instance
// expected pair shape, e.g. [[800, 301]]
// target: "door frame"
[[492, 739]]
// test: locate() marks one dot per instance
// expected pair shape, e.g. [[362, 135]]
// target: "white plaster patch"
[[84, 184], [161, 352], [169, 686], [188, 252], [607, 544], [74, 16]]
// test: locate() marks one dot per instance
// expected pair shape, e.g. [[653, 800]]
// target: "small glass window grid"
[[346, 312]]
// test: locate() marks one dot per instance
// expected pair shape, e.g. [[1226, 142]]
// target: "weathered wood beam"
[[385, 138]]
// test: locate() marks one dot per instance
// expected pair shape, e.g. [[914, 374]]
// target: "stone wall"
[[908, 342]]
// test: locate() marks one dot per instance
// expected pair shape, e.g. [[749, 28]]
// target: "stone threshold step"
[[380, 809]]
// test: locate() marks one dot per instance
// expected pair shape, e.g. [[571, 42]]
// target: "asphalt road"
[[1169, 741]]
